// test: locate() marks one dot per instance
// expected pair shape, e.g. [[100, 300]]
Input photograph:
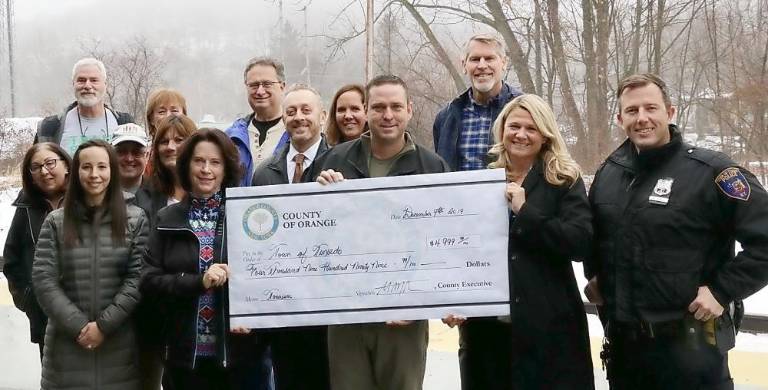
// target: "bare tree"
[[15, 138], [142, 71]]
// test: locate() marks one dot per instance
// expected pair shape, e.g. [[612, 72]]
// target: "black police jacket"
[[665, 223]]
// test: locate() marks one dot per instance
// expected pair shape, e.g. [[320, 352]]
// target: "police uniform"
[[666, 220]]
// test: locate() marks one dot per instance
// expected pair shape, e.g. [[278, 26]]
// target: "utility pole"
[[390, 25], [369, 41], [9, 25], [280, 32], [306, 46]]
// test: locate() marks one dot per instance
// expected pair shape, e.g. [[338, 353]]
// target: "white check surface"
[[368, 250]]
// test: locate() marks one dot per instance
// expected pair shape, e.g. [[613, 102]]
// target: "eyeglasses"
[[49, 165], [254, 86]]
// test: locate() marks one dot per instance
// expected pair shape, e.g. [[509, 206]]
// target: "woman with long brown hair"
[[347, 115], [86, 275], [164, 184], [164, 189]]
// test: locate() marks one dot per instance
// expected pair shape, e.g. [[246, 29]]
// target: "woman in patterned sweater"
[[185, 265]]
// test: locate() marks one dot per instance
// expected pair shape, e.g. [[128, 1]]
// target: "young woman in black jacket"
[[44, 175]]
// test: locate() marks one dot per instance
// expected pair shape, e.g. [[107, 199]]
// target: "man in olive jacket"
[[391, 355]]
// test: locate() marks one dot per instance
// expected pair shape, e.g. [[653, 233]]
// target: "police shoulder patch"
[[733, 184]]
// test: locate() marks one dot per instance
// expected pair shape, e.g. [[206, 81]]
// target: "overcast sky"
[[50, 35]]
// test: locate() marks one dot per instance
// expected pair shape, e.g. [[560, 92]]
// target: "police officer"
[[664, 273]]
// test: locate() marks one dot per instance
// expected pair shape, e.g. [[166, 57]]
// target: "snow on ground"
[[6, 211]]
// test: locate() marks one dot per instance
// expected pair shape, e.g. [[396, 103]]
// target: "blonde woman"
[[546, 337]]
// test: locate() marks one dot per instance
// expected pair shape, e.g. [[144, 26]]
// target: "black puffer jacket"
[[95, 281], [18, 254]]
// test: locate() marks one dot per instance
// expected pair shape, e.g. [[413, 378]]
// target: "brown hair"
[[232, 169], [74, 200], [164, 179], [163, 96], [386, 79], [27, 182], [641, 80], [333, 135]]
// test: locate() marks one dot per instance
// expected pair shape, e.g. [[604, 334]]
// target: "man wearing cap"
[[88, 117], [131, 144]]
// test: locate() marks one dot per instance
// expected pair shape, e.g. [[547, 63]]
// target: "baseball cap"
[[130, 132]]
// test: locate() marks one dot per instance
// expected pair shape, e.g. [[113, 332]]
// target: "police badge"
[[661, 192]]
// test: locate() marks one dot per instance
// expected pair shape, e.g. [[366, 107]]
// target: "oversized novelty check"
[[368, 250]]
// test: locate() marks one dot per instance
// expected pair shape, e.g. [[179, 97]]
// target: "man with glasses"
[[260, 133], [88, 117]]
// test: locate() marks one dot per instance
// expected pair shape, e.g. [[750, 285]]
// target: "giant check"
[[368, 250]]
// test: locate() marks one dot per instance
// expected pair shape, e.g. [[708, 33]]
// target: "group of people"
[[117, 250]]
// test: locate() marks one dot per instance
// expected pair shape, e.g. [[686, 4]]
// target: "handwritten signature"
[[276, 295]]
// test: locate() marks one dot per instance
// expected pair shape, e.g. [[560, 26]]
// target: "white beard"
[[89, 101], [485, 86]]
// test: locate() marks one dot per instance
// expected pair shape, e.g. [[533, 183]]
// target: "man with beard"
[[462, 136], [462, 129], [88, 117], [300, 354]]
